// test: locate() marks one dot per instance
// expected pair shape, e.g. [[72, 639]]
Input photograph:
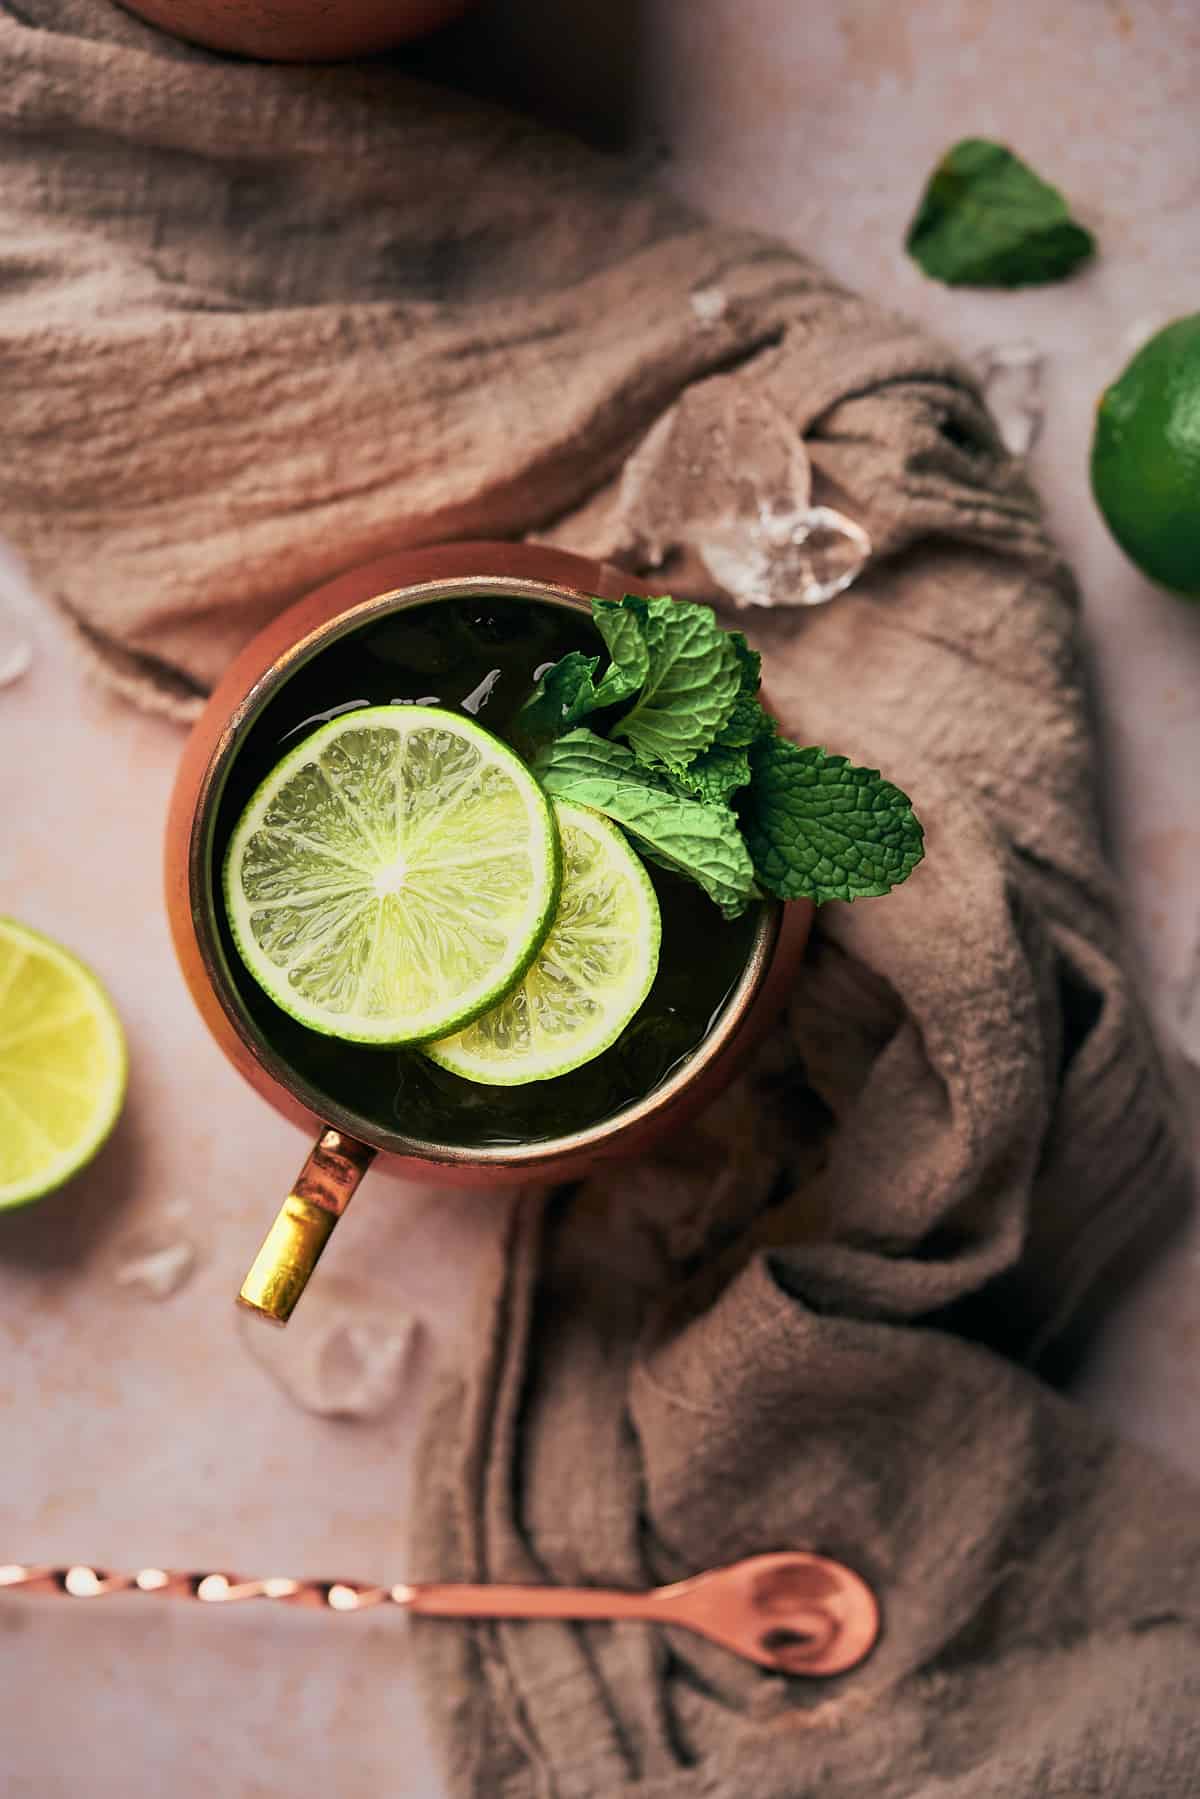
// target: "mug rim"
[[203, 901]]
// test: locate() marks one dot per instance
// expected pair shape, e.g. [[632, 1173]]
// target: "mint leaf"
[[563, 695], [693, 681], [621, 628], [568, 691], [749, 662], [699, 841], [715, 775], [746, 723], [818, 828], [986, 220]]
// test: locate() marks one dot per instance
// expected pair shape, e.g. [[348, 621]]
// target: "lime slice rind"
[[62, 1072], [590, 977], [394, 875]]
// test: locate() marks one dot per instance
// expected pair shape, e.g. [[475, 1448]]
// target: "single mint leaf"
[[715, 775], [746, 723], [562, 696], [749, 662], [621, 628], [818, 828], [699, 841], [693, 681], [986, 220]]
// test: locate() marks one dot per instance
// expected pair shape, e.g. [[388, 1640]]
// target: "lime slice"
[[591, 975], [62, 1065], [394, 876]]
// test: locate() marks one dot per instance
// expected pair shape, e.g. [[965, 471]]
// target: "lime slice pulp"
[[393, 876], [591, 975], [62, 1065]]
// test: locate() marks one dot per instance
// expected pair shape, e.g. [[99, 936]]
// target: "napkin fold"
[[258, 324]]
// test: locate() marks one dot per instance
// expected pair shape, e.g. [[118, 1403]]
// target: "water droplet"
[[710, 304], [155, 1261], [1011, 378], [346, 1353]]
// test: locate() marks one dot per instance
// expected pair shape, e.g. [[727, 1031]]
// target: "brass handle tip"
[[251, 1305], [291, 1250], [292, 1247]]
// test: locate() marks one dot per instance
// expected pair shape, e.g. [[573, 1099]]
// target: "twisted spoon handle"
[[207, 1589], [436, 1599]]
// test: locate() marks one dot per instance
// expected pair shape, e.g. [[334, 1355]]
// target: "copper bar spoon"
[[791, 1612]]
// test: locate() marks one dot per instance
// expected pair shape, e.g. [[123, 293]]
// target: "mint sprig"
[[706, 786]]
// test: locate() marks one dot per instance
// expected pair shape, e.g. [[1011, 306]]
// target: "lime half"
[[62, 1065], [592, 973], [394, 876]]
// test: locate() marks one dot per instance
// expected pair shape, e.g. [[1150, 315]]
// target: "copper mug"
[[346, 1144]]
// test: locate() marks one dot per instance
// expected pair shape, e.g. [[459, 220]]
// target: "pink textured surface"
[[139, 1433]]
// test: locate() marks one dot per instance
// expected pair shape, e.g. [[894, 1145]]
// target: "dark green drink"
[[482, 656]]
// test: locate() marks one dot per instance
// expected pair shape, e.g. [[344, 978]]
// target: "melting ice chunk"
[[1188, 1016], [346, 1353], [1011, 378], [788, 559], [709, 304], [155, 1261], [725, 474], [16, 635]]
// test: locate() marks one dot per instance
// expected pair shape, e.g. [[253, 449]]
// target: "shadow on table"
[[576, 66], [68, 1227]]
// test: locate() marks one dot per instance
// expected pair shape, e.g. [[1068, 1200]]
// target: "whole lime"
[[1146, 457]]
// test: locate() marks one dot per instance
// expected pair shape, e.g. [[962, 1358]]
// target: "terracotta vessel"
[[345, 1147], [299, 30]]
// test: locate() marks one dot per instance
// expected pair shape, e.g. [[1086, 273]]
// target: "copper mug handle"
[[292, 1247]]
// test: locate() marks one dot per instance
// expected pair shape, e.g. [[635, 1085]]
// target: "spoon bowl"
[[792, 1612]]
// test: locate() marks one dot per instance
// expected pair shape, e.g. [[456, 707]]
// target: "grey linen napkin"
[[257, 324]]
